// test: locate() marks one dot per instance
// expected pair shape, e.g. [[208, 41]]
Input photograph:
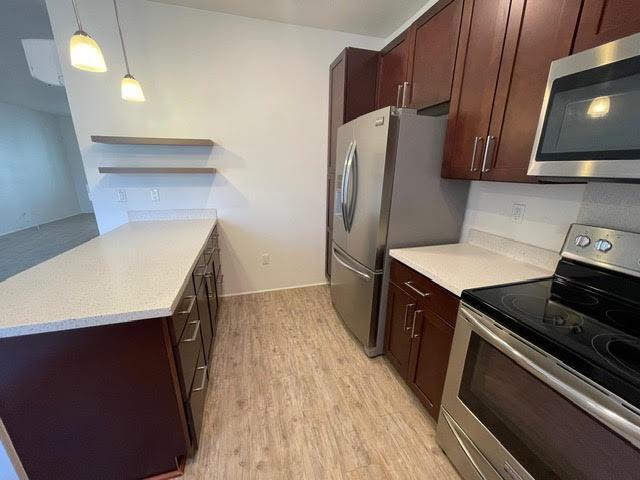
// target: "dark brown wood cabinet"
[[352, 92], [416, 68], [420, 322], [505, 51], [603, 21], [434, 43], [392, 71], [400, 309], [114, 401], [430, 348]]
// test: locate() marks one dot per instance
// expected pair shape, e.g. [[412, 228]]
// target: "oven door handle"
[[623, 426]]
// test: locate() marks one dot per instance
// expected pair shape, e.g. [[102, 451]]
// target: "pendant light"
[[84, 51], [130, 88]]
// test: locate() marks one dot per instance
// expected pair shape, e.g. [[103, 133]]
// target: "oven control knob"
[[603, 245], [582, 241]]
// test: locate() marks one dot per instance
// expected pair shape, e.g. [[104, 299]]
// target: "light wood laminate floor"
[[292, 396]]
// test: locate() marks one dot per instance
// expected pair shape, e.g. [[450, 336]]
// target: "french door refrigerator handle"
[[349, 267], [352, 187], [619, 424], [343, 186]]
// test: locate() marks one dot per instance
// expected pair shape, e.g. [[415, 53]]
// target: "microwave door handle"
[[619, 424], [353, 184], [342, 188]]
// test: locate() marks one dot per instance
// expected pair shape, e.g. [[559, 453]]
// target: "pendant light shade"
[[131, 89], [85, 53]]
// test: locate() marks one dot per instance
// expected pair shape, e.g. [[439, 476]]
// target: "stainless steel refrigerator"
[[388, 194]]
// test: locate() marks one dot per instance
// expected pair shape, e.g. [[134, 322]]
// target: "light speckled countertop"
[[460, 266], [134, 272]]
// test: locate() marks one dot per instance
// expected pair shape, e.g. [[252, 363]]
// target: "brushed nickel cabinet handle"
[[193, 337], [203, 382], [192, 301], [413, 325], [405, 92], [406, 315], [400, 95], [419, 292], [487, 148], [476, 141]]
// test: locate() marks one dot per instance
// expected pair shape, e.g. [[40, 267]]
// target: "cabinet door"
[[430, 348], [392, 71], [205, 319], [397, 344], [537, 33], [603, 21], [483, 29], [433, 54], [336, 106]]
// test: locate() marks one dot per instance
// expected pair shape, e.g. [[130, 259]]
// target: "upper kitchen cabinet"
[[392, 71], [352, 92], [506, 47], [416, 69], [433, 54], [484, 25], [538, 33], [603, 21]]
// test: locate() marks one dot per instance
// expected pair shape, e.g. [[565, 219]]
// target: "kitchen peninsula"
[[104, 352]]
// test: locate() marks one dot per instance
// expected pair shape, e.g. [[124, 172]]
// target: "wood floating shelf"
[[130, 170], [168, 142]]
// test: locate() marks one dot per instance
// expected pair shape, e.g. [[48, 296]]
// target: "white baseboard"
[[272, 290]]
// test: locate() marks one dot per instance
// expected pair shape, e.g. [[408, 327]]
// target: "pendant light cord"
[[124, 52], [75, 10]]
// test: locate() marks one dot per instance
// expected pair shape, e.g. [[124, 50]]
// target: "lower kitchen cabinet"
[[400, 310], [420, 323], [430, 348], [121, 401]]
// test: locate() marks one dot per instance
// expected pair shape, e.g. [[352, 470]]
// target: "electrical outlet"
[[155, 194], [517, 212], [266, 259], [121, 195]]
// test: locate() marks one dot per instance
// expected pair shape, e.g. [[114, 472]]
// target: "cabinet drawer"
[[199, 271], [188, 351], [197, 396], [212, 241], [184, 308], [431, 295]]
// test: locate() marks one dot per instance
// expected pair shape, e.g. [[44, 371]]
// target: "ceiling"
[[26, 19], [378, 18]]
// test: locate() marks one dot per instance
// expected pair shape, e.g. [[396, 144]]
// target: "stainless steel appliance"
[[388, 194], [590, 114], [544, 376]]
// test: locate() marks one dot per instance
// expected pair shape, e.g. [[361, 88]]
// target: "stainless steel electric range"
[[544, 376]]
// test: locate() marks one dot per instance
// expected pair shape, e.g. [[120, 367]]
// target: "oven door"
[[511, 411], [590, 115]]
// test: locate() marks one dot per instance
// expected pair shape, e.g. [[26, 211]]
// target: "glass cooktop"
[[581, 323]]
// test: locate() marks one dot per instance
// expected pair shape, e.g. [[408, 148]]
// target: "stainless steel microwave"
[[589, 125]]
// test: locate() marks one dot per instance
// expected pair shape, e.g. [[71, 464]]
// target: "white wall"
[[409, 21], [35, 181], [257, 88], [74, 162]]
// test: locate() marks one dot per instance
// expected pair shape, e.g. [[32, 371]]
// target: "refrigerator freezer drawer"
[[355, 293]]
